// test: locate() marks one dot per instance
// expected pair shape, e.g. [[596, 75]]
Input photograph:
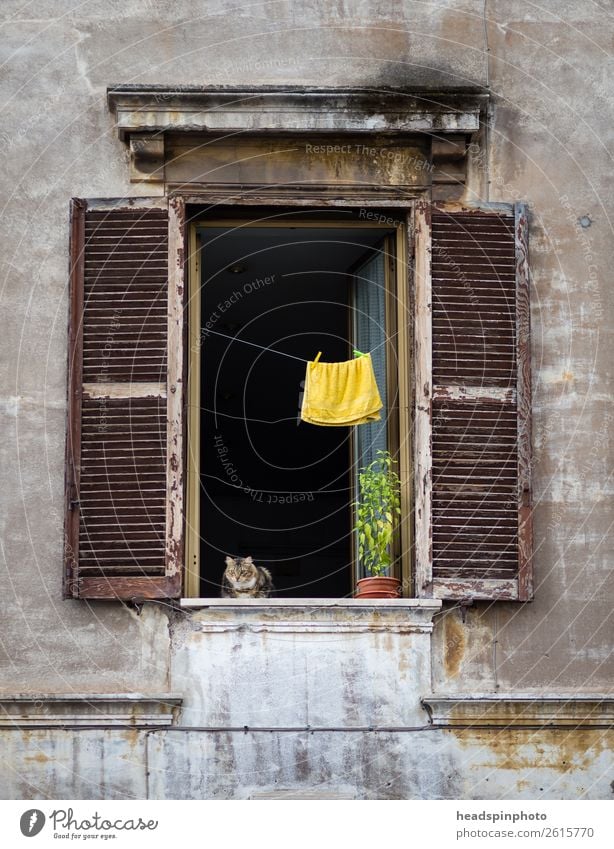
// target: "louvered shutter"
[[124, 445], [473, 532]]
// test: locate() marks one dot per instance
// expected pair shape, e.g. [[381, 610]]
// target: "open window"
[[457, 396], [268, 295]]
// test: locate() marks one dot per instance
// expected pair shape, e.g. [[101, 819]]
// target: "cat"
[[243, 579]]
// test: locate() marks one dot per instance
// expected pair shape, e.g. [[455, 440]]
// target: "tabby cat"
[[243, 579]]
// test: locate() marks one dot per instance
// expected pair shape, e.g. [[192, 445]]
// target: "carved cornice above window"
[[158, 109]]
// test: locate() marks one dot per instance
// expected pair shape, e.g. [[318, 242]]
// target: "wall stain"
[[454, 643], [132, 736], [560, 750], [39, 757]]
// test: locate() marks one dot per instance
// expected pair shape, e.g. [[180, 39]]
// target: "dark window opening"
[[272, 486]]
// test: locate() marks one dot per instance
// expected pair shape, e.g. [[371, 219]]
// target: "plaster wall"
[[173, 764]]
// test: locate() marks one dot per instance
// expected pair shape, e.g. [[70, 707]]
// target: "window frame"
[[375, 192], [398, 315], [414, 402]]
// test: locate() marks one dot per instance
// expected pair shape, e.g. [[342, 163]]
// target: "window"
[[465, 377], [269, 292]]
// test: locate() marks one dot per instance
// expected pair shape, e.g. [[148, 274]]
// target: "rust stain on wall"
[[132, 737], [453, 645], [525, 749], [39, 757]]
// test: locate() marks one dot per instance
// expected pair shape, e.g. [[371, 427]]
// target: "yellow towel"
[[340, 394]]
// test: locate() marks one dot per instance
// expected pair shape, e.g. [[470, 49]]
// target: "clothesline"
[[260, 347], [272, 350], [348, 395], [216, 412]]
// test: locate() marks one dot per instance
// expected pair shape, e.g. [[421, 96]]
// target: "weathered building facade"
[[502, 690]]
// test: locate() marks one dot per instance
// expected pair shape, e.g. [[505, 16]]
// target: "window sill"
[[88, 709], [402, 615], [500, 710], [406, 603]]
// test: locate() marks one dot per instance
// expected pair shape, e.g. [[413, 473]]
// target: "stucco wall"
[[195, 765], [550, 143]]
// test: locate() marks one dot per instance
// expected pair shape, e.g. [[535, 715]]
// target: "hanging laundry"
[[341, 394]]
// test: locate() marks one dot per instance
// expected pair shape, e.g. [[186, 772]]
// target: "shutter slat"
[[123, 291], [472, 415]]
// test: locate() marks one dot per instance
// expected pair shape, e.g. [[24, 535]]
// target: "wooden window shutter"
[[124, 512], [473, 534]]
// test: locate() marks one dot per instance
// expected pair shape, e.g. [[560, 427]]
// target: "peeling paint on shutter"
[[472, 494], [124, 419]]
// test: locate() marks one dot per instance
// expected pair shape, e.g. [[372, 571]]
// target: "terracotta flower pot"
[[378, 588]]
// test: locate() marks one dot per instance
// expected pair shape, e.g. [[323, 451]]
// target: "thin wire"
[[281, 491], [486, 44], [253, 345], [281, 353], [215, 412], [272, 351]]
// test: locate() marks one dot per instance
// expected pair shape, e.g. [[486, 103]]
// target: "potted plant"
[[377, 510]]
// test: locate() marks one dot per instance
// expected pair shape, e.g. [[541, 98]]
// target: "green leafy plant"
[[377, 508]]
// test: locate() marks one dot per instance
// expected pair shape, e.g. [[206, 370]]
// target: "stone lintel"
[[157, 109]]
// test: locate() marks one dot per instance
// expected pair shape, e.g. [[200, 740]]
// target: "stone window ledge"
[[502, 710], [106, 709], [314, 614]]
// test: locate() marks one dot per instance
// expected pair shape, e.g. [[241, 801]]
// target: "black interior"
[[272, 486]]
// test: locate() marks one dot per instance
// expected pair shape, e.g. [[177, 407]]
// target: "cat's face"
[[241, 572]]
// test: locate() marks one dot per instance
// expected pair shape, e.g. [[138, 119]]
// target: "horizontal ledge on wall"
[[503, 711], [357, 196], [300, 793], [104, 709], [321, 615], [156, 109]]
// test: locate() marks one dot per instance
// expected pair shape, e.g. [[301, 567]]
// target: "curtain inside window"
[[369, 320]]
